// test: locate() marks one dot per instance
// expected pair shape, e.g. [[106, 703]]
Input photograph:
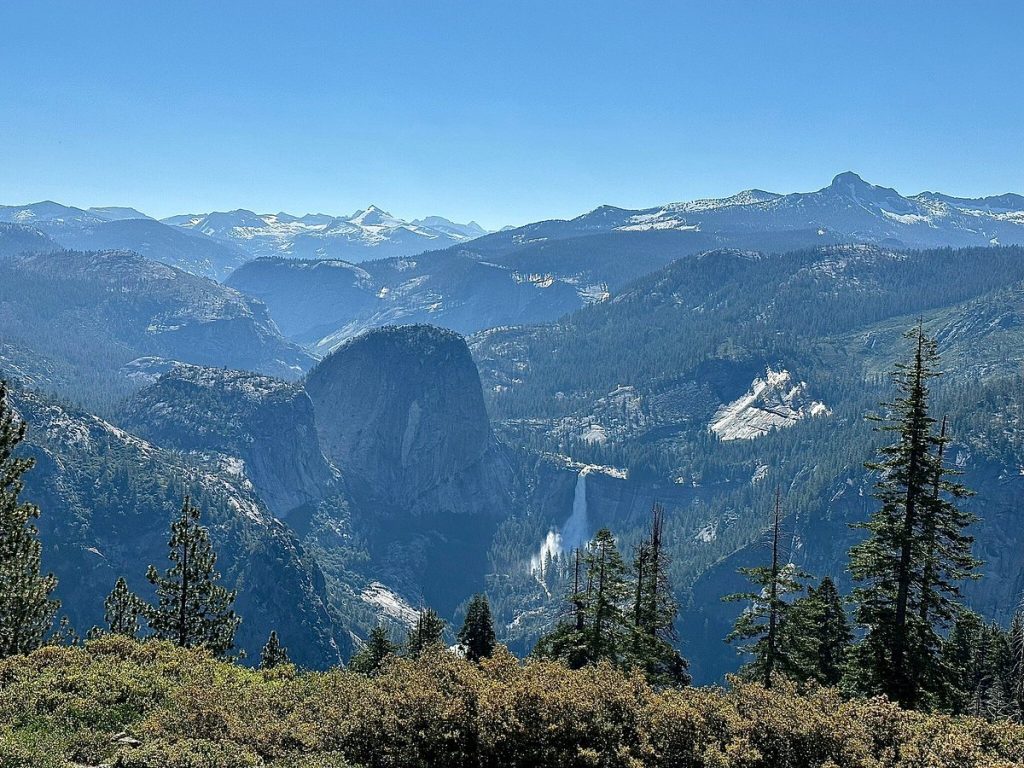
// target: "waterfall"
[[575, 533]]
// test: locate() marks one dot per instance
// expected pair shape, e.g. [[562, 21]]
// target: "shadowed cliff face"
[[400, 411]]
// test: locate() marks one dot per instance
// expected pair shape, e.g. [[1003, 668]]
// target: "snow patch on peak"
[[373, 216]]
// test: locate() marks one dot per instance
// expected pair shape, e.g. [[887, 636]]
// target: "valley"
[[380, 415]]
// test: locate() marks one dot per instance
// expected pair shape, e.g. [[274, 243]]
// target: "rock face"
[[265, 423], [775, 401], [400, 411]]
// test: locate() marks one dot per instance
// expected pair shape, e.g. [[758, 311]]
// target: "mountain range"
[[847, 210], [366, 234], [849, 206], [541, 271], [213, 244]]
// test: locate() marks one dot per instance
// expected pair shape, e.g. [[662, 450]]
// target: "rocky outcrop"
[[265, 424], [773, 402], [400, 411]]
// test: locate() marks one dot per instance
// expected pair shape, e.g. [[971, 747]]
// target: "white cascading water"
[[576, 531], [574, 534]]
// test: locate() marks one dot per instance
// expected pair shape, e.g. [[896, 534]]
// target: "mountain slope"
[[119, 228], [264, 423], [17, 238], [721, 377], [107, 499], [322, 303], [77, 319], [48, 216], [185, 250]]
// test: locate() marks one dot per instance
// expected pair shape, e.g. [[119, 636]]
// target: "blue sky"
[[501, 112]]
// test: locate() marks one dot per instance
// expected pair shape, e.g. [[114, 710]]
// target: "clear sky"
[[503, 112]]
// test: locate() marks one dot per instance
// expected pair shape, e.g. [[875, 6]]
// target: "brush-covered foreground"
[[149, 705]]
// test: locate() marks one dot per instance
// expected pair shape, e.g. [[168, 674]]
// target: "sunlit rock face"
[[262, 426], [773, 402]]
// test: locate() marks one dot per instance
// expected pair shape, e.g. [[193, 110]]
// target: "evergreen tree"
[[818, 634], [428, 631], [916, 552], [477, 633], [273, 654], [982, 670], [760, 625], [26, 607], [192, 608], [122, 610], [599, 627], [959, 657], [608, 591], [568, 641], [1001, 701], [655, 609], [612, 619], [371, 655], [1015, 641]]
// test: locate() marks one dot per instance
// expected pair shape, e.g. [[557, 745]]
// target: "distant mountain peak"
[[117, 212], [848, 179], [851, 185], [374, 216]]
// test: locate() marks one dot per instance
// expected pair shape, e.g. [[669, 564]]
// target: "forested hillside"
[[91, 326]]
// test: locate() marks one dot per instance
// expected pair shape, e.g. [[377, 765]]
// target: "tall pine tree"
[[916, 550], [122, 610], [477, 634], [655, 609], [599, 628], [607, 633], [568, 641], [273, 654], [426, 633], [193, 609], [759, 627], [27, 609], [818, 634], [371, 656]]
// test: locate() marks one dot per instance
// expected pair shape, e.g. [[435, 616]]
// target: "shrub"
[[71, 705]]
